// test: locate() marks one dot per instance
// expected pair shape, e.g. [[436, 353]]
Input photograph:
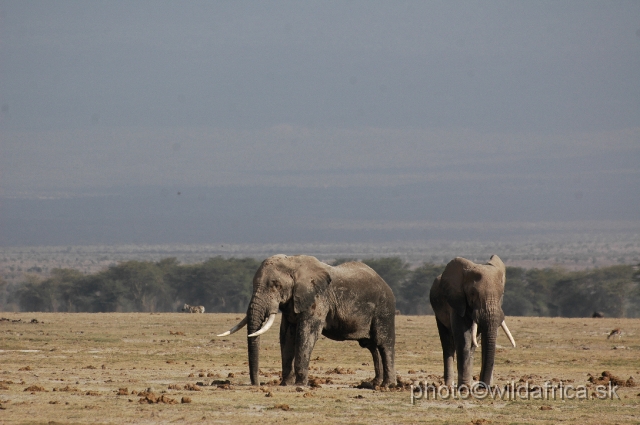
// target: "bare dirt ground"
[[139, 368]]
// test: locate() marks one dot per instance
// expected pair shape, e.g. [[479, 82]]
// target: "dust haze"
[[322, 122]]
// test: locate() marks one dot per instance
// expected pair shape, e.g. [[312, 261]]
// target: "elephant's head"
[[291, 282], [476, 291]]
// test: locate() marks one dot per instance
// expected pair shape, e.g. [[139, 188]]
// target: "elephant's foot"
[[302, 381], [288, 381], [481, 384]]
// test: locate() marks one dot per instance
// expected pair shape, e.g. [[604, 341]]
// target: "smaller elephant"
[[347, 302], [467, 300]]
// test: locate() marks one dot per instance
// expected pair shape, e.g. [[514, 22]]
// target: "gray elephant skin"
[[467, 300], [346, 302]]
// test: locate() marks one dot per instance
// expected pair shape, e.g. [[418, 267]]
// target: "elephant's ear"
[[498, 264], [455, 277], [308, 283]]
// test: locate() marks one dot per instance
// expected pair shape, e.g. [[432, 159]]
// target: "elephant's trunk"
[[256, 314], [488, 353], [490, 318]]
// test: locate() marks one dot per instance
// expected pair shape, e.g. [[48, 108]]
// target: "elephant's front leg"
[[448, 352], [461, 329], [287, 350], [307, 333]]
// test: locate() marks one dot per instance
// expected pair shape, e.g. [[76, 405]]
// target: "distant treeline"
[[225, 285]]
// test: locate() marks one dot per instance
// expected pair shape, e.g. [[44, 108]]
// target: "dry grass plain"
[[69, 368]]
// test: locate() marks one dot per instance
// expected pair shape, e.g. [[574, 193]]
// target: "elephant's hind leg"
[[388, 369], [448, 352], [377, 360]]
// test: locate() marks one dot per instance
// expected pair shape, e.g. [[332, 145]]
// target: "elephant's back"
[[356, 274]]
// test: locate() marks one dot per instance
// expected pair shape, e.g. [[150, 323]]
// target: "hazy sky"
[[510, 97]]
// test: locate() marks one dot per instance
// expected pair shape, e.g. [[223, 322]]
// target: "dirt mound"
[[66, 389], [152, 398], [608, 377], [317, 382], [284, 407], [340, 371], [191, 387]]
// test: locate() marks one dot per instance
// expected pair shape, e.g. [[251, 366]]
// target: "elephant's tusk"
[[236, 328], [506, 330], [474, 334], [266, 326]]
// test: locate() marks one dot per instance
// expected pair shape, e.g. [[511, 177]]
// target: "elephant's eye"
[[275, 284]]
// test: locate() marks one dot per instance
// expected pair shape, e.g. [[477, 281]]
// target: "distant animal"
[[597, 315], [616, 332], [193, 308]]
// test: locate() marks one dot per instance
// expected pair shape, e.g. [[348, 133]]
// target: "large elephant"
[[347, 302], [467, 300]]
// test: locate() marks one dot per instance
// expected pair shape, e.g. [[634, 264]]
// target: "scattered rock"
[[35, 388], [175, 387], [90, 392], [123, 391], [479, 422], [300, 389], [268, 394], [185, 400], [26, 368], [546, 408]]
